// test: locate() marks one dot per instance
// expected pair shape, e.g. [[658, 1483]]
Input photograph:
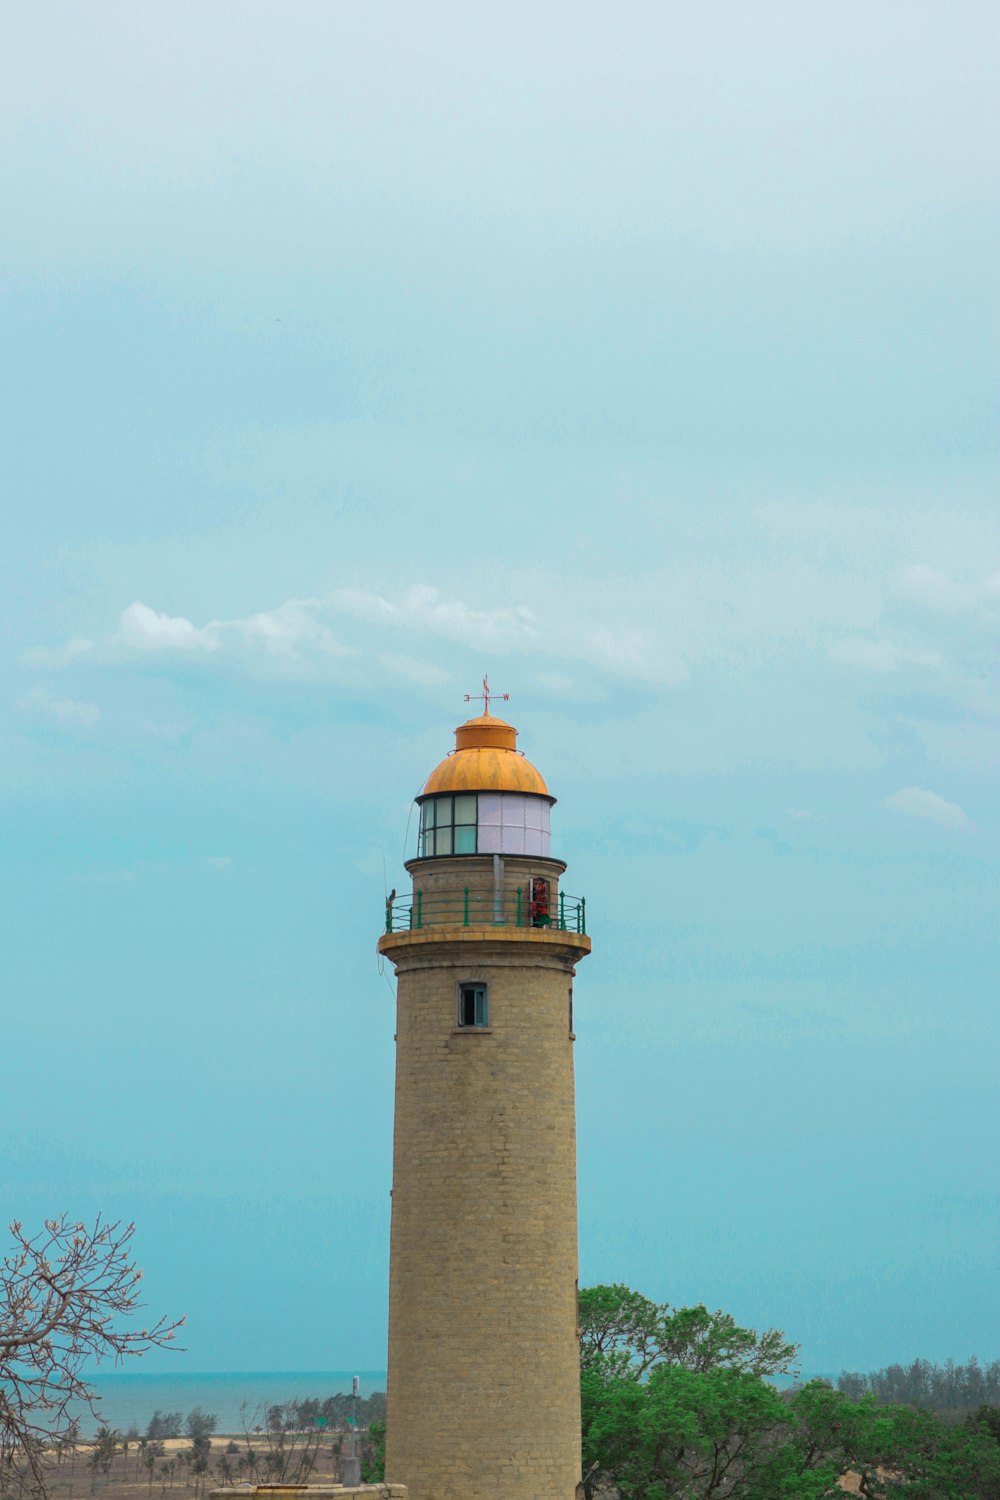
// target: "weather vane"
[[486, 695]]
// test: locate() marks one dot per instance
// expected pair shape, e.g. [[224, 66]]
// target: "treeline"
[[171, 1424], [941, 1388], [335, 1411]]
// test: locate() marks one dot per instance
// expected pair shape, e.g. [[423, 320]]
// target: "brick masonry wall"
[[483, 1389], [446, 879]]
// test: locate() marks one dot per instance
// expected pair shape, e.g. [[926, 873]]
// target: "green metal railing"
[[469, 908]]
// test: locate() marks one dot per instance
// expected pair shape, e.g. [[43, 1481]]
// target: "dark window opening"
[[473, 1009]]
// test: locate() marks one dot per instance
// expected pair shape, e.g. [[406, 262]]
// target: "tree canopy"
[[676, 1403]]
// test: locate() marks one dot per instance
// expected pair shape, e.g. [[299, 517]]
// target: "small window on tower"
[[473, 1006]]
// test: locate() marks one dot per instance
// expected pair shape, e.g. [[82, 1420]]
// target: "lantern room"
[[485, 797]]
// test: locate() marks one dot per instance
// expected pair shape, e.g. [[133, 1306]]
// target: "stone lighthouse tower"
[[483, 1383]]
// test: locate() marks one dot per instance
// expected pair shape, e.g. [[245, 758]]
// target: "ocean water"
[[128, 1400]]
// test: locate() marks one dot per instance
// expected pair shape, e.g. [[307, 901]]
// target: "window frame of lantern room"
[[438, 815]]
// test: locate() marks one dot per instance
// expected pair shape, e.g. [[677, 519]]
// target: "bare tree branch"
[[63, 1294]]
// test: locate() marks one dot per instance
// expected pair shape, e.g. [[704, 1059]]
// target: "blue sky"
[[645, 359]]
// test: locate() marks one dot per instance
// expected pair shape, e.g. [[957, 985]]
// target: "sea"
[[130, 1400]]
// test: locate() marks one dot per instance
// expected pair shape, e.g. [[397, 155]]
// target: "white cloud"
[[219, 862], [64, 711], [143, 629], [915, 802], [58, 656], [926, 586], [880, 656], [289, 632], [285, 631], [296, 630], [423, 608]]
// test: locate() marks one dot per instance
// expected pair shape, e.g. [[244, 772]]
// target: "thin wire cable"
[[409, 819], [380, 960], [385, 891]]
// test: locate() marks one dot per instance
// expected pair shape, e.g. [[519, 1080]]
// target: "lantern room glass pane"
[[465, 809], [442, 841], [513, 810], [489, 808], [442, 810], [465, 839]]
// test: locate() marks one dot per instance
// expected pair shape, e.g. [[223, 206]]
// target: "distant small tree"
[[105, 1448], [149, 1458], [62, 1294], [199, 1454], [162, 1424], [200, 1424], [68, 1440]]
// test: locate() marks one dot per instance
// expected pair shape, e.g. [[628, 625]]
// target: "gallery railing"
[[468, 908]]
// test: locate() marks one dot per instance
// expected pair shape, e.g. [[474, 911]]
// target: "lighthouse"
[[483, 1363]]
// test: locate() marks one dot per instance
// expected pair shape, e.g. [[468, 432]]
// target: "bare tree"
[[62, 1294], [277, 1452]]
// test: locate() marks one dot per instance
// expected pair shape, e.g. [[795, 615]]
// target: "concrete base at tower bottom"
[[313, 1491]]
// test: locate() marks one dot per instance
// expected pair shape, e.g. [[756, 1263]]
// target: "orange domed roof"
[[485, 760]]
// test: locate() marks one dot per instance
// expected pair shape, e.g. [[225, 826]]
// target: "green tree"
[[723, 1434], [986, 1419], [164, 1424], [623, 1328], [947, 1387], [150, 1454], [373, 1453], [201, 1424], [199, 1453], [675, 1404], [105, 1449]]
